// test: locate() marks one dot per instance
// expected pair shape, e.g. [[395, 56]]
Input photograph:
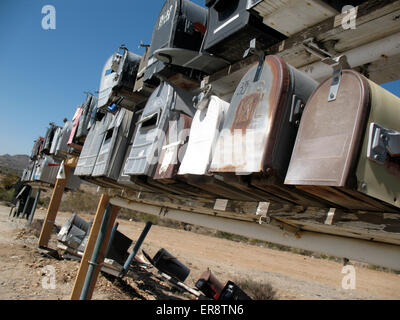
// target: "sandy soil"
[[292, 276]]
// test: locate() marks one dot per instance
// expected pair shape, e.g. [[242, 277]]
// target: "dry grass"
[[256, 290]]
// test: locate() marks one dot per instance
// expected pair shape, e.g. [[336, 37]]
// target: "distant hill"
[[15, 163]]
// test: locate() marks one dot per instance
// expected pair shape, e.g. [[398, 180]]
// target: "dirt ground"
[[292, 276]]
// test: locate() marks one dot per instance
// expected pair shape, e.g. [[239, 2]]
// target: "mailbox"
[[88, 110], [180, 25], [232, 25], [118, 80], [46, 170], [112, 151], [164, 105], [348, 145], [91, 148], [260, 127], [61, 148], [48, 140]]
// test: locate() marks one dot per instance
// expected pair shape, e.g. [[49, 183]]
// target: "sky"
[[45, 73]]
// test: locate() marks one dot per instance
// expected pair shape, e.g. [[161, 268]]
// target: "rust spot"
[[245, 111]]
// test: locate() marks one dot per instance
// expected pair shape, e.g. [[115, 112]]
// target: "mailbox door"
[[330, 135]]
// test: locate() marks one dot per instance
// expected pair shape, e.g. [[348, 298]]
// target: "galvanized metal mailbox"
[[112, 151], [261, 124], [56, 138], [180, 24], [37, 148], [231, 27], [348, 145], [46, 169], [91, 148], [48, 139], [165, 104], [61, 149], [118, 80], [89, 107]]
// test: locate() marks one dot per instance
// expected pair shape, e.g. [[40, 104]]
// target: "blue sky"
[[46, 72]]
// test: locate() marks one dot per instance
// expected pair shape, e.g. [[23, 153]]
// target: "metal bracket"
[[296, 110], [311, 47], [338, 64], [201, 101], [262, 211], [163, 211], [382, 142], [261, 57]]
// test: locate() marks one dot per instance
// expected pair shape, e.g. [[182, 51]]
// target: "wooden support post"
[[53, 208], [84, 266]]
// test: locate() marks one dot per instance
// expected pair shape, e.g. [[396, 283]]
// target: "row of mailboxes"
[[345, 151], [45, 169], [193, 41]]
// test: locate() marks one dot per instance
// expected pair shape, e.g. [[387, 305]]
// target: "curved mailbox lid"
[[330, 134], [259, 129], [203, 137]]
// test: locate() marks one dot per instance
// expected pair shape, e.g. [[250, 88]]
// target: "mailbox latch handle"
[[383, 143]]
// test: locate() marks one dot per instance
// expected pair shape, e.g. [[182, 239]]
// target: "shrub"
[[257, 290]]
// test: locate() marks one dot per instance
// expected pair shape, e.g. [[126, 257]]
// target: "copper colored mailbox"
[[260, 128], [347, 149]]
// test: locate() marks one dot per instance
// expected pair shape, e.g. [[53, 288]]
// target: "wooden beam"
[[83, 268], [326, 33], [376, 253], [53, 208], [72, 161]]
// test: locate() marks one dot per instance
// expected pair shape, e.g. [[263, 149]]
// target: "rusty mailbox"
[[348, 146], [260, 127]]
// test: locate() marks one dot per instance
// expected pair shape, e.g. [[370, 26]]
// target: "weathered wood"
[[53, 208], [72, 161], [83, 268], [333, 39], [384, 227]]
